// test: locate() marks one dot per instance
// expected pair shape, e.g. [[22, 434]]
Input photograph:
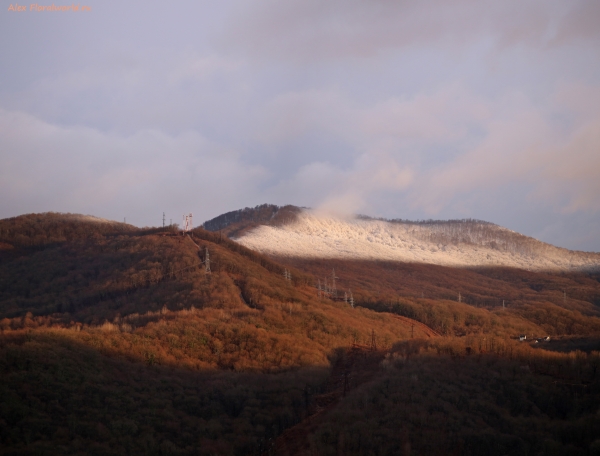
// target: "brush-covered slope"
[[115, 340], [245, 312], [311, 234]]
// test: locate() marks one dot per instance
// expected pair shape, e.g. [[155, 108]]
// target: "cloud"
[[523, 144], [402, 107], [572, 171], [325, 186], [309, 30], [518, 143], [45, 167]]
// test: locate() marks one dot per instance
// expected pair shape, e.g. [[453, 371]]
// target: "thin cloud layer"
[[80, 169]]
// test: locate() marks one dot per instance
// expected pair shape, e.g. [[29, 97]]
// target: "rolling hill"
[[118, 340]]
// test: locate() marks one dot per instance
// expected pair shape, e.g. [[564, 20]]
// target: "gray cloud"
[[305, 30], [79, 169], [402, 109]]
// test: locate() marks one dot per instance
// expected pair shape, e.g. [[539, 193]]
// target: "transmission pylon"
[[333, 289], [187, 223], [206, 261]]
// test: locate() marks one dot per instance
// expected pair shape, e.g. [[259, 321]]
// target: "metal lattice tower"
[[187, 223], [206, 261], [333, 289], [163, 219]]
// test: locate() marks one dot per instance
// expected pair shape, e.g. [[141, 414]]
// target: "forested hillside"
[[118, 340]]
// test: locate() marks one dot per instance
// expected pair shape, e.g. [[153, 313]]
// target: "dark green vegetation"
[[116, 341]]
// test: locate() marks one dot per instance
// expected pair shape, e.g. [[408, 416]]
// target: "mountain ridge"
[[307, 233], [117, 339]]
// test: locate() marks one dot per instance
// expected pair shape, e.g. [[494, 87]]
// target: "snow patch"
[[470, 243]]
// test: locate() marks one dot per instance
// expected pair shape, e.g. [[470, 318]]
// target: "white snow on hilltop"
[[452, 243]]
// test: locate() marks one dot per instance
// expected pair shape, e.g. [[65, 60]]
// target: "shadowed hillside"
[[118, 340]]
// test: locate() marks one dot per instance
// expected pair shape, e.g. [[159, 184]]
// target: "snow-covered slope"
[[452, 243]]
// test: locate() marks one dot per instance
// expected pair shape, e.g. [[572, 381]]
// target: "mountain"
[[305, 233], [117, 340], [121, 340]]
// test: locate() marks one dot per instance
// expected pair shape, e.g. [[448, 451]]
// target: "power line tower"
[[373, 342], [206, 261], [333, 289], [163, 219], [187, 223]]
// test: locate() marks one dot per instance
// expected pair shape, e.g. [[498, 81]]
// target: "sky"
[[399, 109]]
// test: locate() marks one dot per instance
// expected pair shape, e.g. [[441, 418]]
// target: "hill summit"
[[290, 231]]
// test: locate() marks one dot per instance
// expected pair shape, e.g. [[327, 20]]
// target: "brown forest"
[[116, 340]]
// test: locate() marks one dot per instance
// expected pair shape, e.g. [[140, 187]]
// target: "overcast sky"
[[401, 109]]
